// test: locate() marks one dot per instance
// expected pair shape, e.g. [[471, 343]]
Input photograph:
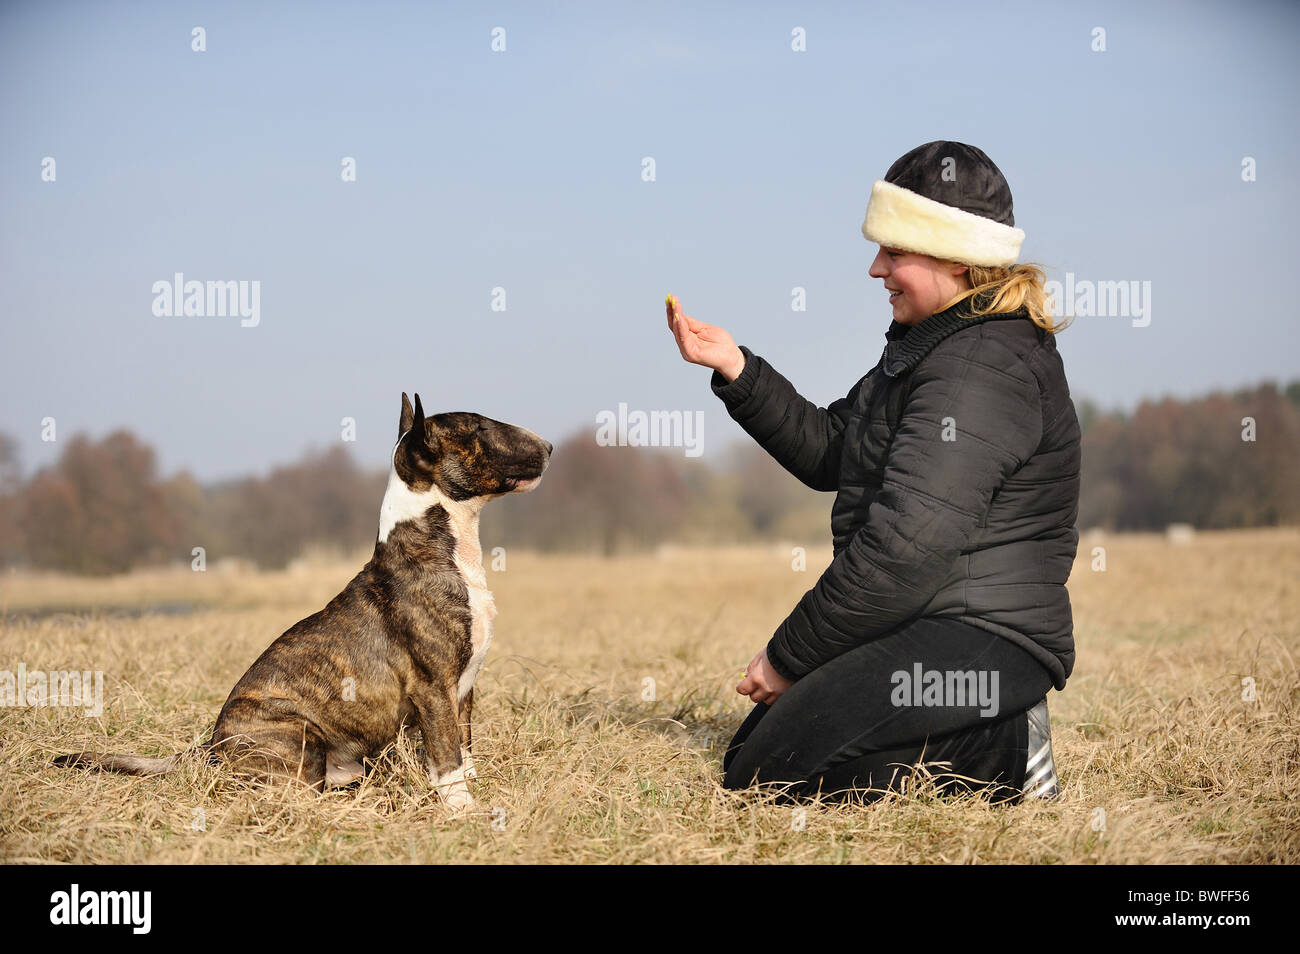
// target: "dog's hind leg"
[[281, 752], [437, 712]]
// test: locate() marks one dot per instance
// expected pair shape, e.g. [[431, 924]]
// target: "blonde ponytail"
[[997, 289]]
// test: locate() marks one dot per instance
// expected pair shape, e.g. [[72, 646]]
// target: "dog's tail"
[[128, 764]]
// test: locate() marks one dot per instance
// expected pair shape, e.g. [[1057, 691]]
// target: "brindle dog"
[[404, 641]]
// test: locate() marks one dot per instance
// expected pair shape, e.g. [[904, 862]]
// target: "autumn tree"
[[100, 509]]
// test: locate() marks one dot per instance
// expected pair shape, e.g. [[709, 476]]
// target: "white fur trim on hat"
[[901, 218]]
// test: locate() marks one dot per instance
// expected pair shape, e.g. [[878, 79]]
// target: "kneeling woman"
[[943, 620]]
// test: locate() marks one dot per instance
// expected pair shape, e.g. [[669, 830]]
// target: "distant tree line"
[[1226, 460], [102, 508]]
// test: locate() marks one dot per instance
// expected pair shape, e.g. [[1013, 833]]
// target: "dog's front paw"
[[467, 763], [458, 799], [455, 793]]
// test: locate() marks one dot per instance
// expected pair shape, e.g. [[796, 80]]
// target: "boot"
[[1040, 769]]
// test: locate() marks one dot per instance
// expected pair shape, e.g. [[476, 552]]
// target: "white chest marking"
[[402, 503], [468, 557]]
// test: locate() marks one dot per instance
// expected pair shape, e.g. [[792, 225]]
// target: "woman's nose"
[[880, 267]]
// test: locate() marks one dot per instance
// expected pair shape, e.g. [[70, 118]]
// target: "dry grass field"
[[1161, 757]]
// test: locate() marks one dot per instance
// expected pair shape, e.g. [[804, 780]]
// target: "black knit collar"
[[908, 344]]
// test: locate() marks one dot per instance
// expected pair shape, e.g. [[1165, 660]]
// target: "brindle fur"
[[401, 630]]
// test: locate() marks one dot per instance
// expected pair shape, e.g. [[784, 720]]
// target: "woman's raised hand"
[[703, 344]]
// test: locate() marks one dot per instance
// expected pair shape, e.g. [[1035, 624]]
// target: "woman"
[[943, 619]]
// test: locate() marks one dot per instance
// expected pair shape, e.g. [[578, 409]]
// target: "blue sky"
[[522, 170]]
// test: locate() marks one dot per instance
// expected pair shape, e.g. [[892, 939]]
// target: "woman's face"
[[919, 286]]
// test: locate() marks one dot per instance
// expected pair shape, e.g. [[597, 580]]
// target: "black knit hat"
[[948, 200]]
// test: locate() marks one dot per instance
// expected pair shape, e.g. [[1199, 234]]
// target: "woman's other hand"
[[762, 683], [707, 345]]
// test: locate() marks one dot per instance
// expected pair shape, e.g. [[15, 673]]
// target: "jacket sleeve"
[[970, 421], [803, 438]]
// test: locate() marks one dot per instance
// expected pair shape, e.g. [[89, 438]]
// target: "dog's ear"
[[417, 420], [408, 416]]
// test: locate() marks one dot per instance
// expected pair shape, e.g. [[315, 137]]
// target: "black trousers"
[[934, 691]]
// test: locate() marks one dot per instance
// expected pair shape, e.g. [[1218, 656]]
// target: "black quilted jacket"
[[955, 463]]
